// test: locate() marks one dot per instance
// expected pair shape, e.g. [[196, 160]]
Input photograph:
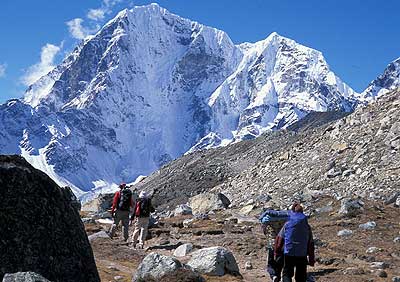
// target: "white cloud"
[[46, 64], [96, 14], [105, 9], [3, 68], [76, 29]]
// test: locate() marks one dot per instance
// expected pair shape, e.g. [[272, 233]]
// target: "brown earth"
[[338, 258]]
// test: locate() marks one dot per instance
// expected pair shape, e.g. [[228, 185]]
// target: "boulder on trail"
[[207, 202], [41, 230], [214, 261], [24, 277], [157, 267]]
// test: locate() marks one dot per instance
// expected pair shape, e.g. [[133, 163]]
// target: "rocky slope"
[[151, 86], [41, 230], [355, 155]]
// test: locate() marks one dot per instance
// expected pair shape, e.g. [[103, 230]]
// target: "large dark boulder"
[[41, 230]]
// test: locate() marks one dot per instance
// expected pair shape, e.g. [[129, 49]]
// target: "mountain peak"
[[389, 80]]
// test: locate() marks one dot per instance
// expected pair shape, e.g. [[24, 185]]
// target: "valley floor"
[[338, 258]]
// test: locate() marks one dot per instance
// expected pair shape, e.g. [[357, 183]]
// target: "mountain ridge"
[[151, 86]]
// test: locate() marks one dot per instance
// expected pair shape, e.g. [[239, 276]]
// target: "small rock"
[[183, 250], [88, 220], [368, 226], [248, 265], [372, 250], [354, 271], [348, 172], [397, 203], [118, 278], [187, 222], [351, 207], [396, 240], [332, 173], [284, 156], [183, 210], [381, 273], [340, 147], [379, 265], [24, 277], [246, 209], [345, 233], [100, 234], [396, 279]]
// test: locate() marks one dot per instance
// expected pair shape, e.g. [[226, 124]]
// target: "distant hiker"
[[271, 227], [296, 241], [141, 217], [121, 205]]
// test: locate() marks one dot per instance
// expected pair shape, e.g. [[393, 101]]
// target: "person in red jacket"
[[122, 203]]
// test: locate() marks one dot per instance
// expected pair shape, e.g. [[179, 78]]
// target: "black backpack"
[[143, 207], [125, 199]]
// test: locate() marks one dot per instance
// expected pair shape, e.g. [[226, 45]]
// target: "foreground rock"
[[24, 277], [41, 230], [156, 267], [206, 202], [215, 261]]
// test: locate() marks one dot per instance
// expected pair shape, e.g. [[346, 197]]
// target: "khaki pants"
[[124, 217], [141, 225]]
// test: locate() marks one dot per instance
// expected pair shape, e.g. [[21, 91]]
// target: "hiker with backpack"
[[141, 218], [271, 227], [122, 203], [296, 242]]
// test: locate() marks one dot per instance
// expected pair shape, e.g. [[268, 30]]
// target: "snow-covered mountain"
[[389, 80], [151, 86]]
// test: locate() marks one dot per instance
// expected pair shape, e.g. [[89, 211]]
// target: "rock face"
[[41, 230], [151, 86], [24, 277], [156, 267], [204, 203], [216, 261]]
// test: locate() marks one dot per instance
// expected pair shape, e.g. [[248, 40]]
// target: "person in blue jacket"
[[296, 240]]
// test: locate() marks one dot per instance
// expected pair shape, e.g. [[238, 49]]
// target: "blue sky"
[[357, 37]]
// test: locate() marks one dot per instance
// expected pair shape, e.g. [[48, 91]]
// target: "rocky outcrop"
[[24, 277], [41, 230], [214, 261]]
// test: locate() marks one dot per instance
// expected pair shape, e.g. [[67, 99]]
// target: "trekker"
[[121, 205], [271, 227], [141, 216], [296, 241]]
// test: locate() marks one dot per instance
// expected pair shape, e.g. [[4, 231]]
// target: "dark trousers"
[[274, 265], [290, 263]]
